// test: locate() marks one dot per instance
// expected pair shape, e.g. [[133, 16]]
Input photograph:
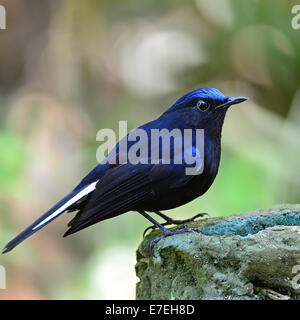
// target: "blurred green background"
[[69, 68]]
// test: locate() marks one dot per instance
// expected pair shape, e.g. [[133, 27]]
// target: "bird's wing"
[[126, 187], [174, 176], [121, 189]]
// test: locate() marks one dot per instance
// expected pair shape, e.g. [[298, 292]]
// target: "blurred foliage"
[[70, 68], [12, 160]]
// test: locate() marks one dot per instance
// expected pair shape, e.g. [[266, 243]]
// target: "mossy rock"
[[246, 256]]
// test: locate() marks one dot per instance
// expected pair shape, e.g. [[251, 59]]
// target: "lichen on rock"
[[246, 256]]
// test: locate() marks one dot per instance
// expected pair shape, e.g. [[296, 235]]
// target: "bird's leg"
[[165, 231], [170, 221], [177, 222], [155, 223]]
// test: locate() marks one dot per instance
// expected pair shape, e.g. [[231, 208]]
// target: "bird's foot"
[[177, 222], [170, 221], [168, 233], [153, 227]]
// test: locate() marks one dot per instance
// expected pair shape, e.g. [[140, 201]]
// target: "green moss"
[[252, 225]]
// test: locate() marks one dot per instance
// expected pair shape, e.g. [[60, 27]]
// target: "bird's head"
[[202, 106]]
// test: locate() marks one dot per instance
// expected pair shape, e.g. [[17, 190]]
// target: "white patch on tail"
[[91, 187]]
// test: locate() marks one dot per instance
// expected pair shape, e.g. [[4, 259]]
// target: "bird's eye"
[[202, 105]]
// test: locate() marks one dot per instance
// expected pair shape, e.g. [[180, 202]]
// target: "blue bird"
[[152, 184]]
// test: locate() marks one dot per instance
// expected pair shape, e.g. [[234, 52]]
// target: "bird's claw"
[[202, 214], [148, 228]]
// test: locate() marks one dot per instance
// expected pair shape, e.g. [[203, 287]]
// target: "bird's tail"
[[51, 214]]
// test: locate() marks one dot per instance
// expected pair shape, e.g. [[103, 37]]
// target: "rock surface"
[[253, 255]]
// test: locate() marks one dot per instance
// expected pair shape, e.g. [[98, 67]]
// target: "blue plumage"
[[113, 189]]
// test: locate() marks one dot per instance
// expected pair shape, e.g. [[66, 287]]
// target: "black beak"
[[231, 101]]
